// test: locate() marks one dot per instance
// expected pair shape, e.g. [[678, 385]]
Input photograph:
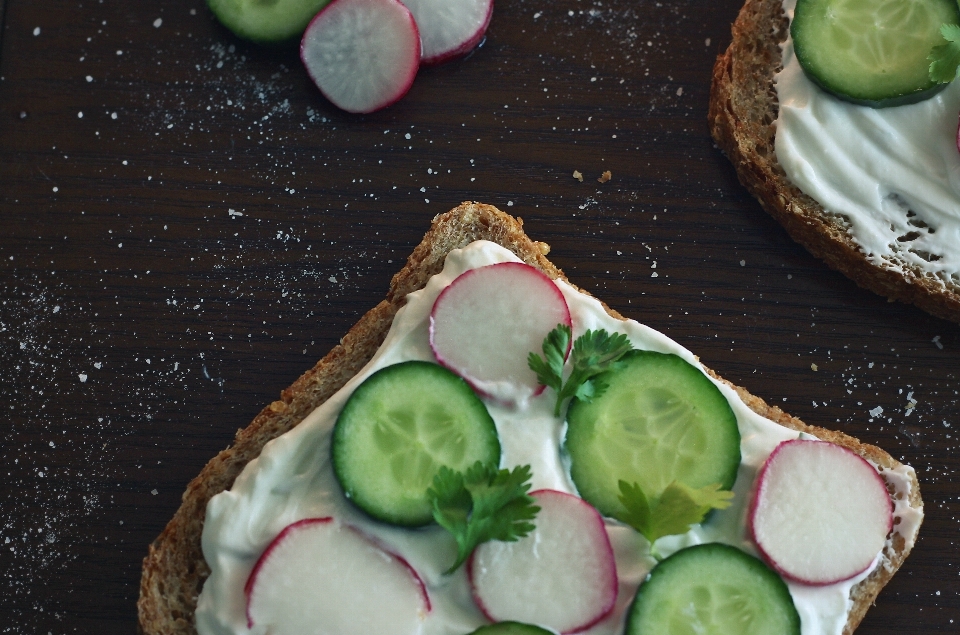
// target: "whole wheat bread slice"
[[743, 109], [174, 569]]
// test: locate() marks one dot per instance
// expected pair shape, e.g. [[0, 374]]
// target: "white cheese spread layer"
[[293, 479]]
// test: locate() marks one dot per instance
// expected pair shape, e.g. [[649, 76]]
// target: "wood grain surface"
[[186, 225]]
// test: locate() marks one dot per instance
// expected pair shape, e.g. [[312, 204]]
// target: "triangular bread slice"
[[174, 569], [743, 109]]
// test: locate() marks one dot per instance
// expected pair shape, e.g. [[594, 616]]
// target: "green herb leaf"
[[678, 507], [549, 368], [482, 504], [945, 59], [594, 353]]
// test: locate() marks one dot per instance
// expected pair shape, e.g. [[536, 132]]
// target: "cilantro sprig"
[[594, 353], [945, 59], [482, 504], [678, 507]]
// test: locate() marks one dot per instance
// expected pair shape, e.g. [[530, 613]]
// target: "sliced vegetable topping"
[[660, 420], [275, 21], [450, 28], [400, 426], [511, 628], [563, 575], [872, 52], [362, 54], [316, 576], [481, 505], [820, 513], [483, 324], [712, 589]]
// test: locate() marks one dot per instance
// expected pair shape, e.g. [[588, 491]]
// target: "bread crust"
[[174, 569], [743, 109]]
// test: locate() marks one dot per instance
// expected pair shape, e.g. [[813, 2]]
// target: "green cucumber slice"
[[871, 52], [712, 589], [396, 430], [660, 420], [511, 628], [266, 20]]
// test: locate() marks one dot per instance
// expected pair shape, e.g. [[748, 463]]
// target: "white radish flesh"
[[485, 324], [362, 54], [317, 576], [820, 513], [450, 28], [562, 576]]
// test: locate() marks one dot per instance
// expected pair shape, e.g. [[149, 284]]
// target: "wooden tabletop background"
[[186, 225]]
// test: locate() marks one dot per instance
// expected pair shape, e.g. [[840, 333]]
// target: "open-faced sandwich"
[[491, 450], [841, 118]]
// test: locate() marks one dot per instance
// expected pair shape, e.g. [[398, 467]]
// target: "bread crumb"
[[813, 367], [606, 176], [577, 175]]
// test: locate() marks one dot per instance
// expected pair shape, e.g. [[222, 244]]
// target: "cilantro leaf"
[[482, 504], [945, 59], [678, 507], [594, 353], [549, 368]]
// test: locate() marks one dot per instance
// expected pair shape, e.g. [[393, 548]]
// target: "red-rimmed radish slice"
[[362, 54], [562, 575], [450, 28], [320, 576], [820, 513], [485, 324]]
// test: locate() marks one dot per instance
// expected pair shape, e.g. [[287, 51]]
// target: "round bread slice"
[[174, 569], [743, 109]]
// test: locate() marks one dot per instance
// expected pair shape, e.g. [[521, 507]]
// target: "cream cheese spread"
[[892, 173], [293, 479]]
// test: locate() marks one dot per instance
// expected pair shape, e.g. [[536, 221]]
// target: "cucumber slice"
[[712, 589], [660, 420], [266, 20], [871, 52], [511, 628], [396, 430]]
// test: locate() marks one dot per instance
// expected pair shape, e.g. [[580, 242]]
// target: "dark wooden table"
[[186, 225]]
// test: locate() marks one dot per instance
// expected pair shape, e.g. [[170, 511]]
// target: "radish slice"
[[820, 513], [450, 28], [362, 54], [317, 576], [562, 576], [485, 324]]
